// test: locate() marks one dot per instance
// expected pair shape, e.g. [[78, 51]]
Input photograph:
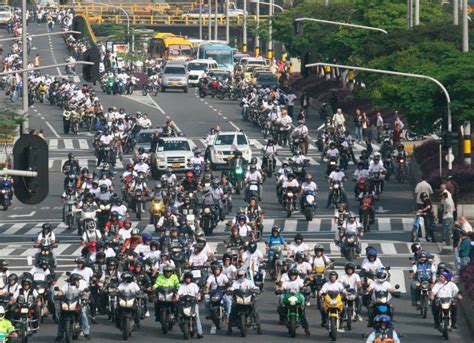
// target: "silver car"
[[174, 76]]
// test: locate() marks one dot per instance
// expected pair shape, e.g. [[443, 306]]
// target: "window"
[[145, 137], [229, 139], [173, 146], [175, 70], [197, 66]]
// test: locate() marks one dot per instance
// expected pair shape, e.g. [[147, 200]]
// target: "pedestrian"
[[397, 133], [369, 147], [448, 209], [465, 226], [464, 249], [305, 101], [365, 126], [379, 126], [453, 187], [428, 216], [338, 120], [398, 121], [422, 187], [456, 238], [290, 102], [358, 125]]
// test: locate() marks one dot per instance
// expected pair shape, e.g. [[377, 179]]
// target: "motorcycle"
[[381, 305], [46, 252], [207, 220], [71, 306], [243, 313], [268, 164], [139, 203], [376, 183], [333, 306], [165, 303], [187, 316], [337, 196], [365, 207], [88, 214], [387, 163], [253, 191], [332, 164], [349, 247], [422, 292], [129, 313], [293, 308], [317, 281], [103, 214], [237, 176], [5, 194], [217, 306], [401, 170], [275, 261], [290, 201], [69, 212], [444, 315], [150, 89], [350, 307], [25, 325], [309, 204]]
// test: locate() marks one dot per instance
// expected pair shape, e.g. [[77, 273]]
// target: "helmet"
[[447, 275], [299, 255], [241, 218], [154, 244], [147, 237], [441, 267], [12, 277], [80, 260], [127, 277], [423, 254], [298, 237], [118, 201], [241, 273], [226, 257], [70, 155], [350, 265], [114, 214], [168, 268], [135, 232], [372, 252], [415, 247], [75, 278], [103, 187], [333, 273], [383, 318], [293, 272], [377, 156], [188, 275], [216, 266], [276, 228], [253, 167], [112, 262], [381, 275], [253, 160], [26, 280], [100, 255], [318, 247], [252, 246], [47, 226]]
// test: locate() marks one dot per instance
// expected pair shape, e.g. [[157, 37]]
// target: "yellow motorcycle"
[[157, 209], [333, 306]]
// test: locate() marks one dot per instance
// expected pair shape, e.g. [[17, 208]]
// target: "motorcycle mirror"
[[68, 273], [397, 286], [56, 289], [387, 268]]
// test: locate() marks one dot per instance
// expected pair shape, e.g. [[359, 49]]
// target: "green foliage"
[[261, 29]]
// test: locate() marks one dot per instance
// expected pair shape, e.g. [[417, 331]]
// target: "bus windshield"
[[179, 50], [222, 57]]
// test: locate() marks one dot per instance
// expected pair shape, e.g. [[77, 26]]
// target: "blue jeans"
[[464, 261], [413, 291], [358, 133], [198, 321], [447, 226], [457, 259], [227, 305]]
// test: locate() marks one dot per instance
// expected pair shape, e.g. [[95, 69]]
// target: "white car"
[[171, 152], [5, 14], [222, 151], [197, 68]]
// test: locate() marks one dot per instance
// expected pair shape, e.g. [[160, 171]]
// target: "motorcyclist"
[[360, 172], [301, 132], [371, 262], [383, 331], [71, 165], [197, 159], [190, 183], [308, 185], [351, 224], [114, 224], [445, 288], [331, 285], [332, 151], [298, 246], [351, 280], [294, 284], [144, 247], [192, 289], [166, 279], [336, 175], [167, 221], [6, 326], [75, 285], [215, 281], [243, 229], [423, 268], [251, 261], [269, 150], [253, 175], [83, 270], [320, 259], [228, 268], [120, 208], [127, 286], [30, 295], [47, 238], [209, 141], [380, 283], [132, 242]]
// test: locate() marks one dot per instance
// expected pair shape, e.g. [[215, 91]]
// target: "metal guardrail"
[[137, 7], [163, 19]]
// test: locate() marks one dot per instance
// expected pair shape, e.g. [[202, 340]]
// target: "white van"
[[253, 61], [196, 68]]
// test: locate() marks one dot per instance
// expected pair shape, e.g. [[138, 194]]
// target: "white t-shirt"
[[217, 281], [48, 239], [321, 261], [243, 284], [303, 267], [192, 289], [229, 271], [125, 234], [86, 273], [39, 274], [382, 286], [131, 287], [332, 286], [447, 290], [351, 281], [252, 260], [371, 266], [199, 259], [293, 286]]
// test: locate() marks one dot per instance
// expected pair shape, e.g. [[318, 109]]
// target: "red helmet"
[[129, 166], [189, 174]]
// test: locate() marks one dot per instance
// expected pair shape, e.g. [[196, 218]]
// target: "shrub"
[[467, 277]]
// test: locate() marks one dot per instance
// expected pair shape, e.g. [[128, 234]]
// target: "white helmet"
[[2, 312]]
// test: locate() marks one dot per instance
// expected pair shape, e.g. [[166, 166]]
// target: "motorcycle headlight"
[[425, 284], [383, 299], [333, 302], [161, 297], [445, 306], [215, 298], [351, 296], [292, 300], [310, 199], [187, 311], [290, 194], [41, 291], [351, 240], [24, 310], [336, 186]]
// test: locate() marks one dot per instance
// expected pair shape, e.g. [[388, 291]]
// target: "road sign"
[[449, 158]]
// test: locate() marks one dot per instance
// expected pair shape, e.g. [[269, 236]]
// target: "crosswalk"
[[288, 226], [55, 164], [83, 144]]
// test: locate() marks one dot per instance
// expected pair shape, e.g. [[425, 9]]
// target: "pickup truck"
[[171, 152]]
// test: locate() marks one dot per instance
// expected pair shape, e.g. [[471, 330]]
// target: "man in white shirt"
[[422, 187], [351, 280], [83, 270], [252, 259], [333, 285], [290, 103], [189, 288], [216, 281], [445, 288]]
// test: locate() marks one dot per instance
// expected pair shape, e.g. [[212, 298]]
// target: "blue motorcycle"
[[309, 204], [6, 194]]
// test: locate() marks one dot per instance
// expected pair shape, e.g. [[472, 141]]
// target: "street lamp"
[[271, 5], [450, 156], [342, 24]]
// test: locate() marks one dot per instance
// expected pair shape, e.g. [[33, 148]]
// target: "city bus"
[[222, 53], [170, 46]]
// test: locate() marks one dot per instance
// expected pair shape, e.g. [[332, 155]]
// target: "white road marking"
[[14, 229], [290, 225], [68, 144], [83, 144], [53, 144], [52, 129], [384, 224], [388, 249], [235, 126]]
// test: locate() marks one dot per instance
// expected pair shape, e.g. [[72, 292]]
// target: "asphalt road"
[[195, 117]]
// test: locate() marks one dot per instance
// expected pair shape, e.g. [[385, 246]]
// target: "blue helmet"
[[242, 217], [5, 184], [371, 252], [147, 237], [383, 318], [447, 275]]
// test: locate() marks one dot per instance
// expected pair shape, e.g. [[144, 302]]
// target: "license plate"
[[24, 310], [175, 165], [172, 83]]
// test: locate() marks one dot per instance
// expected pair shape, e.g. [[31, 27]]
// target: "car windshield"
[[145, 137], [197, 66], [229, 139], [175, 70], [173, 146], [4, 9], [220, 76]]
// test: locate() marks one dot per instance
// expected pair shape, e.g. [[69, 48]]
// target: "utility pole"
[[216, 3], [24, 33], [244, 30], [257, 37], [200, 19], [270, 31], [410, 14], [417, 12], [227, 29], [467, 143], [456, 12], [209, 23], [465, 28]]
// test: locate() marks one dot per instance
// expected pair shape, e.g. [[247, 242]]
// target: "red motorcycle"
[[366, 211]]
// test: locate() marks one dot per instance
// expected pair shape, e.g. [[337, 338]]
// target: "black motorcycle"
[[187, 316], [243, 314], [129, 309], [165, 305]]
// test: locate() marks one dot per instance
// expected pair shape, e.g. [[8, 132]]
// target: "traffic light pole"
[[24, 87], [13, 172], [417, 76]]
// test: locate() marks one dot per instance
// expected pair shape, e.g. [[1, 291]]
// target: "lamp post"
[[271, 5], [244, 30], [227, 28], [257, 37], [209, 22], [416, 76], [216, 5], [465, 27], [200, 19]]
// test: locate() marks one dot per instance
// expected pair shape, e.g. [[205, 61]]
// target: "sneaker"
[[359, 317], [199, 336], [147, 314], [88, 337]]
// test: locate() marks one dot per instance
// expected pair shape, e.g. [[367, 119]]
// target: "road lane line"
[[158, 107], [68, 144], [83, 144], [397, 276], [290, 225], [52, 129], [53, 144], [235, 126], [388, 249], [15, 228], [384, 224]]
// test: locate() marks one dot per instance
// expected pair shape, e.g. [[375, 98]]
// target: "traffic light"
[[298, 28], [30, 153], [447, 140]]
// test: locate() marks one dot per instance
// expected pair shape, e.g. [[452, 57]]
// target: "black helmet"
[[415, 247], [216, 266], [100, 255], [292, 272], [298, 255], [333, 273], [75, 278], [298, 237], [276, 228], [70, 155], [188, 275], [12, 277], [112, 262], [168, 268], [252, 246], [350, 265], [318, 247], [127, 277], [3, 264], [47, 226], [226, 257]]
